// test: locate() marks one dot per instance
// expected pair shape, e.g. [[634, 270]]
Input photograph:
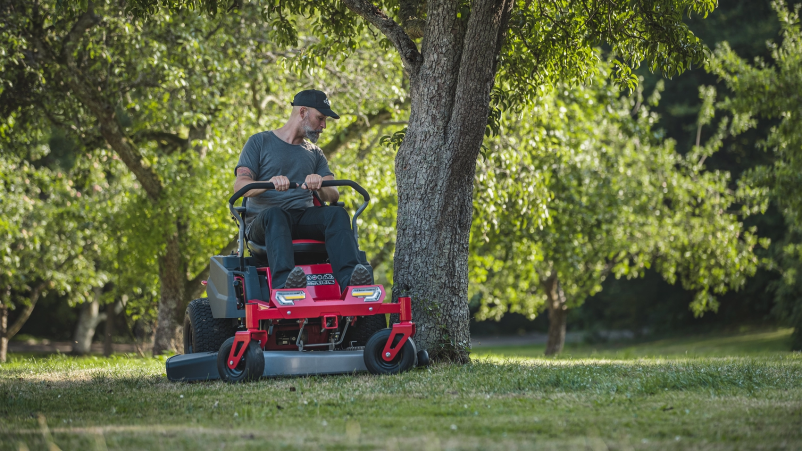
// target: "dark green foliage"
[[553, 40], [770, 91], [788, 289]]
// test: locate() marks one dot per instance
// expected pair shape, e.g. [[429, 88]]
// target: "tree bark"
[[88, 320], [558, 311], [172, 278], [435, 168]]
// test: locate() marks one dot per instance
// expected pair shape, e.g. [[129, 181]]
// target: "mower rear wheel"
[[403, 361], [365, 327], [202, 331], [250, 368]]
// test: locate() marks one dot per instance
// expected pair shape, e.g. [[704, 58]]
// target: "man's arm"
[[245, 176]]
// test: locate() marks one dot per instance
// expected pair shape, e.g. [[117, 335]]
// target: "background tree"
[[578, 188], [44, 243], [649, 305]]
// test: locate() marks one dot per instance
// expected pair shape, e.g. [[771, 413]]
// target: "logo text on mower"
[[319, 279]]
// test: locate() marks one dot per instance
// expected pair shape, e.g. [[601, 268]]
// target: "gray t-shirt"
[[267, 156]]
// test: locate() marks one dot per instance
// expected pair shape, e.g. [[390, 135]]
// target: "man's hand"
[[313, 181], [245, 177], [281, 183], [327, 194]]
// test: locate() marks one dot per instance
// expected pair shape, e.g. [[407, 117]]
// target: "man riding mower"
[[304, 302]]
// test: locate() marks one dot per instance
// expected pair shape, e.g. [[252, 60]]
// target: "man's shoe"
[[360, 276], [296, 279]]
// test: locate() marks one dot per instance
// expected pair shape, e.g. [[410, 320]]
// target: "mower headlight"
[[289, 297], [371, 294]]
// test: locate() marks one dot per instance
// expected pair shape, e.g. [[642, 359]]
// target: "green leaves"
[[552, 41], [770, 91], [45, 233]]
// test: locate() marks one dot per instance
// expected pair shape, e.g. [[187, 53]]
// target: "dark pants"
[[276, 228]]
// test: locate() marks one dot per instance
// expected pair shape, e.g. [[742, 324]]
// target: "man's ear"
[[302, 112]]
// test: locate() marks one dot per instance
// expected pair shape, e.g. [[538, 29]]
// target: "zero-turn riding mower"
[[245, 329]]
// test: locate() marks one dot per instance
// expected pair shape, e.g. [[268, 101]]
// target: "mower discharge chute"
[[245, 329]]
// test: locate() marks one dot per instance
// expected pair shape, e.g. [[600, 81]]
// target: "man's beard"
[[311, 134]]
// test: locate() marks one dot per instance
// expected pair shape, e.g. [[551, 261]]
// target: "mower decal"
[[320, 279]]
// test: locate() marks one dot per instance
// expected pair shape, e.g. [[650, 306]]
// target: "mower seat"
[[298, 246]]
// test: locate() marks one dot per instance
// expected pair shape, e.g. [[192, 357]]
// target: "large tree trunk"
[[558, 311], [88, 319], [435, 167], [173, 279]]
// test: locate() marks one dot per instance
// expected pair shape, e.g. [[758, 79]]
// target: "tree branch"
[[410, 56], [23, 317], [87, 20], [354, 131], [102, 110], [408, 12], [173, 140]]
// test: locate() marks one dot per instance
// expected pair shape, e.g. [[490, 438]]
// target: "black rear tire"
[[250, 367], [403, 361], [365, 327], [202, 331]]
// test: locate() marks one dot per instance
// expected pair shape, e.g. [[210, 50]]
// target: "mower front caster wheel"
[[250, 368], [403, 361]]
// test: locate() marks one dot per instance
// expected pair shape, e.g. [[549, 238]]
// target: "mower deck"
[[203, 366]]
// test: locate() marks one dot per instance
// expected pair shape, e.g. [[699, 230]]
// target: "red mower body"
[[324, 302]]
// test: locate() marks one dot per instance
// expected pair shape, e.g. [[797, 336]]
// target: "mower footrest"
[[203, 366]]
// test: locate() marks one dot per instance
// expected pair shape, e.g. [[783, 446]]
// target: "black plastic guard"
[[201, 366]]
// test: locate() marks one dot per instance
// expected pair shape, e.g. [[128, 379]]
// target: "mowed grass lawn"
[[734, 392]]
